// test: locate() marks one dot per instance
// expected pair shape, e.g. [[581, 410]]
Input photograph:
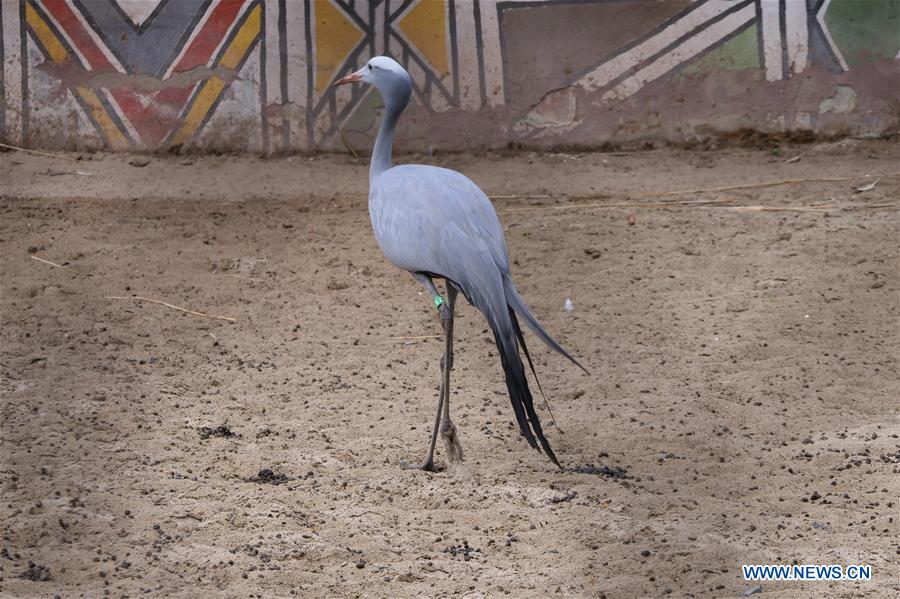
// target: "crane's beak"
[[351, 78]]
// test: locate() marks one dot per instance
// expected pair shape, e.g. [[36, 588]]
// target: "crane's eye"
[[370, 67]]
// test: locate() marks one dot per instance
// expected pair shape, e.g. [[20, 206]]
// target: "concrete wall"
[[254, 75]]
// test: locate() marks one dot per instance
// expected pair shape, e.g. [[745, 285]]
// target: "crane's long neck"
[[381, 154], [394, 103]]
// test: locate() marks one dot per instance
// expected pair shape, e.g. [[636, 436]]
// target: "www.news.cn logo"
[[806, 572]]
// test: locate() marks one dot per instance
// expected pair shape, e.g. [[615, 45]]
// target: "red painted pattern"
[[205, 43], [199, 53], [82, 40], [163, 108]]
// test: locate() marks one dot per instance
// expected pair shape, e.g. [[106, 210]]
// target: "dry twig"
[[539, 196], [764, 184], [36, 152], [870, 206], [680, 192], [782, 208], [55, 265], [168, 305], [621, 205]]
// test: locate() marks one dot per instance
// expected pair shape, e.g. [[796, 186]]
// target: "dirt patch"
[[222, 430], [36, 573], [741, 406], [613, 472], [268, 477]]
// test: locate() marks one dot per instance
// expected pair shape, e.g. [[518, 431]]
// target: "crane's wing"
[[411, 207]]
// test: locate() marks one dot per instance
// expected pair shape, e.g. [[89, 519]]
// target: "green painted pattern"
[[865, 29], [737, 54]]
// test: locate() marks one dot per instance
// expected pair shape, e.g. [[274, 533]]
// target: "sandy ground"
[[742, 406]]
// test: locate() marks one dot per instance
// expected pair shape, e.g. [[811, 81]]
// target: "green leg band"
[[438, 300]]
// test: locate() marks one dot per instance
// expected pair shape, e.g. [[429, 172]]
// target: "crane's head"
[[386, 74]]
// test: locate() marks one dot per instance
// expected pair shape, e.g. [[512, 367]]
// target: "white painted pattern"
[[272, 76], [469, 87], [296, 68], [491, 55], [796, 36], [273, 53], [138, 10], [614, 68], [12, 71], [685, 51], [770, 20]]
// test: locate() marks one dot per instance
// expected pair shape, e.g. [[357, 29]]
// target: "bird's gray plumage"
[[412, 206], [437, 222]]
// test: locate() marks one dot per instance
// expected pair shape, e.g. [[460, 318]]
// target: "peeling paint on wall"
[[255, 75], [842, 102], [556, 110]]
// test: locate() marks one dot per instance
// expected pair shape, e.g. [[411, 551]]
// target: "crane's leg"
[[443, 309], [442, 422], [448, 429]]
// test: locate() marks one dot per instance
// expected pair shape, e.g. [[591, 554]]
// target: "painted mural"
[[84, 42], [255, 75]]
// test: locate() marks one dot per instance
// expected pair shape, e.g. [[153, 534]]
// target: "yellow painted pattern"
[[425, 25], [213, 87], [60, 55], [101, 116], [56, 50], [336, 36]]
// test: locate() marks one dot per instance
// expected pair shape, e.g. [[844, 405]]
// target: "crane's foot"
[[428, 465], [451, 441]]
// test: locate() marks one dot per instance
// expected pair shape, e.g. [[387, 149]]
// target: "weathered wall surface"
[[254, 75]]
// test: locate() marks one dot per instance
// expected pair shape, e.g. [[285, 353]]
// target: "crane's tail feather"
[[519, 393], [521, 338], [483, 285], [518, 304]]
